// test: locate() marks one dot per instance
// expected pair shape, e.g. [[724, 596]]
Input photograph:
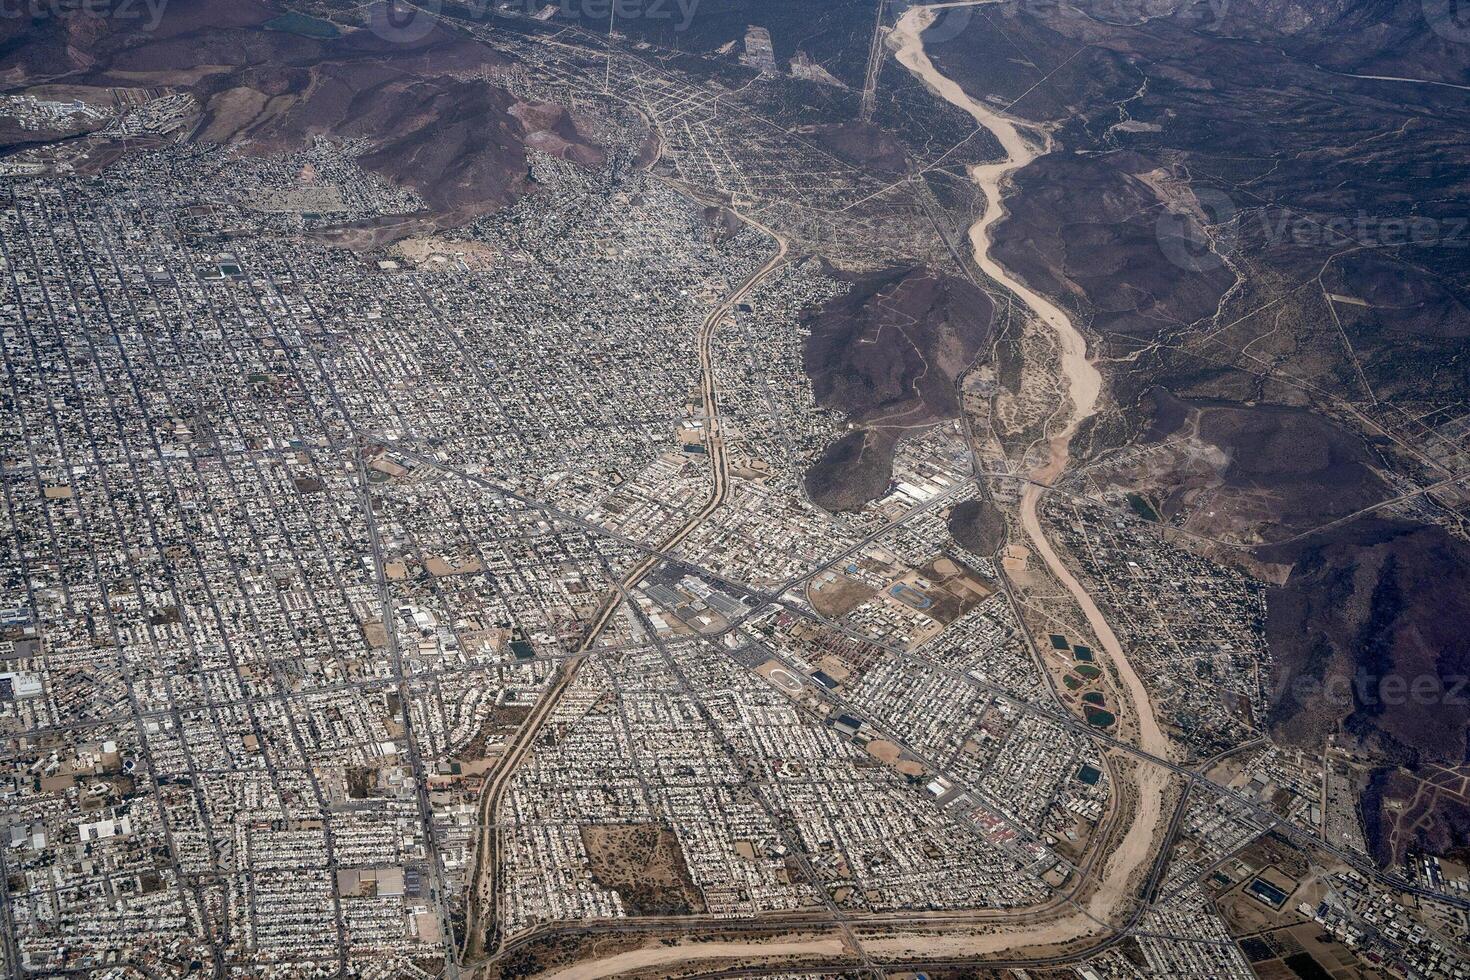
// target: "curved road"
[[1129, 862], [483, 912], [1149, 785]]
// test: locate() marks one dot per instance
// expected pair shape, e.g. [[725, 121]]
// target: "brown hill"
[[888, 351], [1369, 642], [887, 354], [429, 117], [1368, 634], [853, 470], [1406, 810], [1114, 222], [1281, 471], [977, 525]]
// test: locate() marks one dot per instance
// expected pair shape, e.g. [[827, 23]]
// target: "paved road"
[[482, 929]]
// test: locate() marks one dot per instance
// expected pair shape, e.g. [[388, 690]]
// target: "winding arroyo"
[[1149, 785]]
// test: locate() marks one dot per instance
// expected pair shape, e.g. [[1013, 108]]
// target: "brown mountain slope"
[[427, 114], [1369, 639], [886, 354], [1242, 221], [1368, 633]]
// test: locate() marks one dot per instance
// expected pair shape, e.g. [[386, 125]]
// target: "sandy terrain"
[[1084, 380], [643, 959], [1084, 384]]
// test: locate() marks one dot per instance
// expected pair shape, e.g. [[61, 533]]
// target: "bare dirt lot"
[[644, 864], [839, 597]]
